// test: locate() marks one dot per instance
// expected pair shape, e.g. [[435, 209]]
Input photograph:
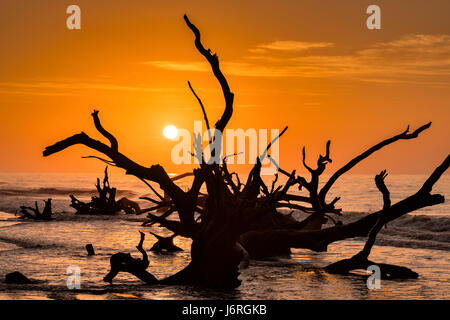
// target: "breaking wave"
[[57, 191], [412, 231]]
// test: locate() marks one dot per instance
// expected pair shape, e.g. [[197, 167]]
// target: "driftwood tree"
[[35, 213], [232, 217], [105, 203]]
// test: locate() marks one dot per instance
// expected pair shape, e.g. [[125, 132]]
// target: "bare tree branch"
[[203, 110], [214, 62], [402, 136], [106, 134]]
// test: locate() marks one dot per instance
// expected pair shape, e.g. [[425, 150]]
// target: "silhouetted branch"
[[402, 136], [379, 182], [124, 262], [108, 162], [263, 155], [214, 62], [106, 134], [203, 110], [153, 189], [185, 201], [434, 177], [165, 244]]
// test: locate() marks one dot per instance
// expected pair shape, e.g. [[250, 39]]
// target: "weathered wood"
[[105, 203], [90, 249], [17, 277], [165, 244], [35, 213]]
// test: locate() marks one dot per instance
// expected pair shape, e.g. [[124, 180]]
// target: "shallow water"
[[358, 192], [44, 250]]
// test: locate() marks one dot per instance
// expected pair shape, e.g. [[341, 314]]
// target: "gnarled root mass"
[[105, 203], [35, 213]]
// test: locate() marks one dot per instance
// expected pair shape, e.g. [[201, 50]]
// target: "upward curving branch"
[[435, 176], [205, 116], [402, 136], [104, 132], [213, 60], [185, 202], [379, 182]]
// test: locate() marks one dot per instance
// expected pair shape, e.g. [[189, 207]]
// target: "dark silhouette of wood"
[[405, 135], [35, 213], [215, 258], [233, 218], [90, 249], [213, 60], [203, 110], [124, 262], [17, 278], [258, 241], [165, 244], [105, 203], [360, 260], [318, 240], [317, 198], [129, 206]]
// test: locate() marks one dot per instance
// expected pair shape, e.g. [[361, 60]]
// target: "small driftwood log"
[[165, 244], [35, 213], [124, 262]]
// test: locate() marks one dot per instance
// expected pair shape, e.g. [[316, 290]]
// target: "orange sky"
[[311, 65]]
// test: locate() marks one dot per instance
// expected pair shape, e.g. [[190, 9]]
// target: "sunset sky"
[[310, 65]]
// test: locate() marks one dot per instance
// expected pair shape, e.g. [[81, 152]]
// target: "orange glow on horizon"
[[311, 66]]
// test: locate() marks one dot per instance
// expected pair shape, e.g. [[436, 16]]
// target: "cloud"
[[179, 66], [291, 46], [411, 58], [32, 86]]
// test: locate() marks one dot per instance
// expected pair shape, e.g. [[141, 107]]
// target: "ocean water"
[[44, 250]]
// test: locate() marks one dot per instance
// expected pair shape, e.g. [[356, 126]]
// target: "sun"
[[170, 132]]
